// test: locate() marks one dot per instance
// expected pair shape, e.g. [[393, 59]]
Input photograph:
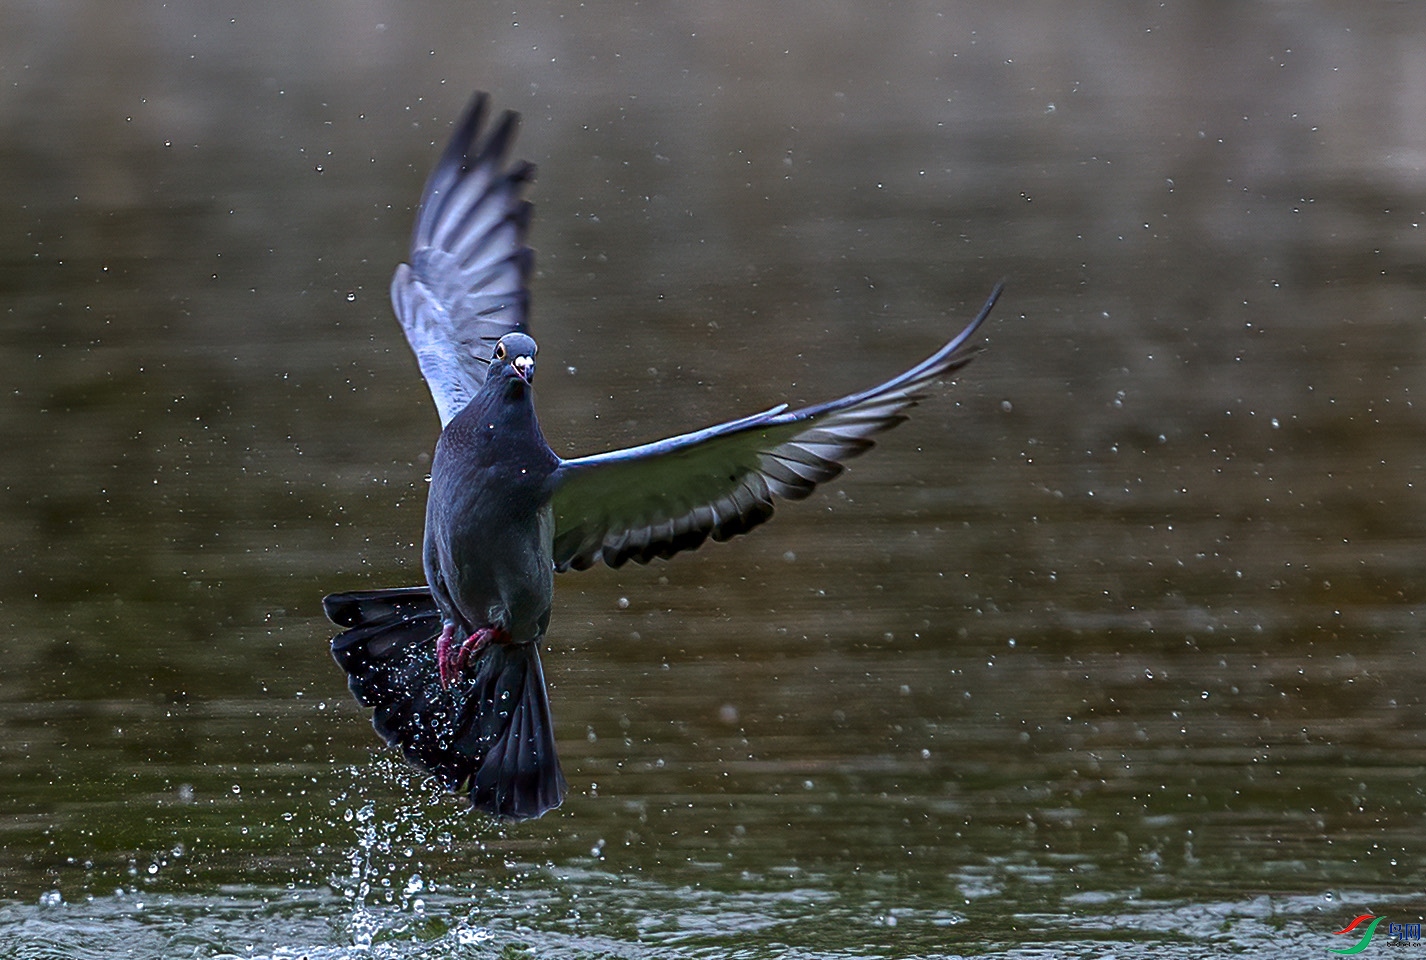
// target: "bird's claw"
[[477, 642], [451, 663], [445, 662]]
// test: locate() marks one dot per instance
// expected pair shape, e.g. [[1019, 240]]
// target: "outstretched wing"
[[658, 499], [465, 284]]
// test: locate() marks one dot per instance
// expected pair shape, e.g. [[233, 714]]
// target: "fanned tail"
[[489, 735]]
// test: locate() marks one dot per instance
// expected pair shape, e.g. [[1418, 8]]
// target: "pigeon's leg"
[[477, 642], [446, 657]]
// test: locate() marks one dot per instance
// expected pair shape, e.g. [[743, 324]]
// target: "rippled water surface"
[[1111, 651]]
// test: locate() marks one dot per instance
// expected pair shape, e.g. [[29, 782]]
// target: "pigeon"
[[451, 670]]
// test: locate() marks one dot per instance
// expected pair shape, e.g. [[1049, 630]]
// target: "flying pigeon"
[[451, 670]]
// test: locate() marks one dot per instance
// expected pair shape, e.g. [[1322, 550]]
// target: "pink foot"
[[477, 642], [451, 663], [445, 658]]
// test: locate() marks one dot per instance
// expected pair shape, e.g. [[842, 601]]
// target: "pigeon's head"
[[515, 351]]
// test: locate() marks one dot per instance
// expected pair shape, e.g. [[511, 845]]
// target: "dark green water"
[[1111, 651]]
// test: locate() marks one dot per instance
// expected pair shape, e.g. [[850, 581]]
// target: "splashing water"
[[401, 840]]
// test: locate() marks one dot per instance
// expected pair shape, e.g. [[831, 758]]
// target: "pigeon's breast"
[[501, 570], [490, 533]]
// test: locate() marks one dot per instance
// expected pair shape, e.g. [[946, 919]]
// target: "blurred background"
[[1111, 649]]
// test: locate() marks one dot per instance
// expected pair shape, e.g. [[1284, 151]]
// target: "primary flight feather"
[[451, 670]]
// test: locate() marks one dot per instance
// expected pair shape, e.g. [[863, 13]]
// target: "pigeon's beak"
[[525, 367]]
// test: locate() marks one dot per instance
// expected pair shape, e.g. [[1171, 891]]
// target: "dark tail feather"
[[507, 721], [490, 734]]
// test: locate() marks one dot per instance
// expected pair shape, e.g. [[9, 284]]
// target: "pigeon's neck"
[[499, 426]]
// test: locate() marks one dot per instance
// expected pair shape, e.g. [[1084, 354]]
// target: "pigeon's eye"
[[500, 351]]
